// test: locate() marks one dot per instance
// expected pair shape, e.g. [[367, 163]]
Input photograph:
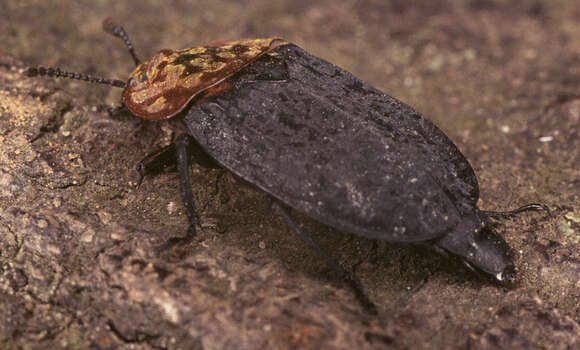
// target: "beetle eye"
[[138, 79]]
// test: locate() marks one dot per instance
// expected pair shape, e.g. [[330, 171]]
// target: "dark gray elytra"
[[331, 146]]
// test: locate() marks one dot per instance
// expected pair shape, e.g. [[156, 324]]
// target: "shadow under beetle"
[[318, 140]]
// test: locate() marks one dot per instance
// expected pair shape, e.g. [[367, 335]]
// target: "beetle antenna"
[[116, 30], [57, 73]]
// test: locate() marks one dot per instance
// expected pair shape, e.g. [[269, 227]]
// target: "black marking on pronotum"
[[318, 140]]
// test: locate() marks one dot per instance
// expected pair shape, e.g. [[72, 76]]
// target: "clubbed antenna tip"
[[116, 30], [57, 73]]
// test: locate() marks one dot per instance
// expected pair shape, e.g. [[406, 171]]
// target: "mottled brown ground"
[[79, 260]]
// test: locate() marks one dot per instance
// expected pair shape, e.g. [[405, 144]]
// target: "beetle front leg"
[[114, 110], [179, 155], [354, 284], [166, 158], [158, 161]]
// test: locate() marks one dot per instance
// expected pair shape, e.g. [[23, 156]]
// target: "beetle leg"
[[114, 110], [367, 304], [166, 158], [182, 151], [157, 161], [182, 145], [511, 213]]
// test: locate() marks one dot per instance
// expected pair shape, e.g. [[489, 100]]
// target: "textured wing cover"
[[336, 149]]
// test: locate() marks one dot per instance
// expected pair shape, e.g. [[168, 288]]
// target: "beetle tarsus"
[[522, 209], [352, 282]]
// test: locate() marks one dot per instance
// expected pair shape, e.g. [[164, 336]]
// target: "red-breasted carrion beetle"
[[317, 140]]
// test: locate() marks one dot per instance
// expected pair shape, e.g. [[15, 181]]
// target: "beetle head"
[[481, 249]]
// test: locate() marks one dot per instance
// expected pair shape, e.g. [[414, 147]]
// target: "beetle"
[[316, 139]]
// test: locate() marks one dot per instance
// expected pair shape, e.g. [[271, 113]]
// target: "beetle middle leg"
[[182, 143], [352, 282]]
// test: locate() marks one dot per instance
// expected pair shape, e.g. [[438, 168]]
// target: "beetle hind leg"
[[352, 282]]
